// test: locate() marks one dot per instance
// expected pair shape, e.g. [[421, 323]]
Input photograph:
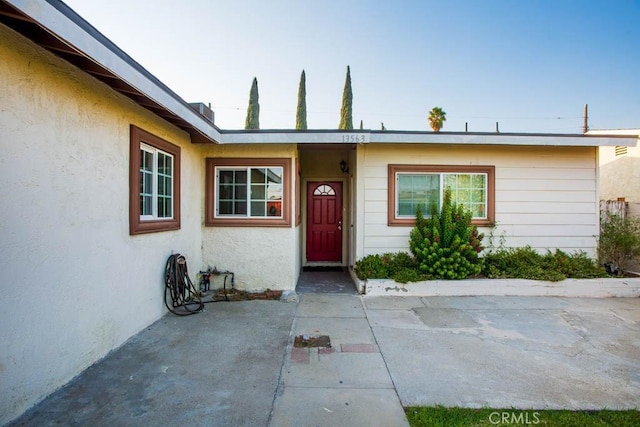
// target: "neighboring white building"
[[105, 172], [620, 170]]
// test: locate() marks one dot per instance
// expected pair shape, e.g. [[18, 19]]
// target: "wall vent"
[[621, 150]]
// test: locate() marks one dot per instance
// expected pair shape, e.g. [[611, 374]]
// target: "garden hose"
[[185, 299]]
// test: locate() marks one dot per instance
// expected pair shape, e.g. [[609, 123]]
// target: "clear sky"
[[529, 65]]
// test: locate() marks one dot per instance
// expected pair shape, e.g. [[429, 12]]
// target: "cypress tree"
[[253, 110], [346, 116], [301, 112]]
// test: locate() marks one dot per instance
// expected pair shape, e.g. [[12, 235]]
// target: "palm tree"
[[436, 118]]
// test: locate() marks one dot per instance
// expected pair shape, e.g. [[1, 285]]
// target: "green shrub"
[[371, 267], [577, 265], [446, 246], [526, 263], [406, 275], [399, 266], [619, 241]]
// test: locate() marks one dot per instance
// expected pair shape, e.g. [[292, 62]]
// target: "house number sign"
[[355, 138]]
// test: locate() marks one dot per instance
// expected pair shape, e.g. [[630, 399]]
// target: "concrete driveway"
[[503, 352], [235, 364]]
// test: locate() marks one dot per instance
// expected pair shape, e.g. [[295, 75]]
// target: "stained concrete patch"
[[341, 330], [358, 348], [395, 318], [495, 302], [392, 303], [312, 341], [445, 318], [331, 306], [300, 406], [300, 355], [529, 326], [339, 370]]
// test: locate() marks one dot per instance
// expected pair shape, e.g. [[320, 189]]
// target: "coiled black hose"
[[179, 288]]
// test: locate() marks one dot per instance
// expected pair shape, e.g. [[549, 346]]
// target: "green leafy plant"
[[577, 265], [526, 263], [371, 267], [619, 241], [446, 245], [399, 266]]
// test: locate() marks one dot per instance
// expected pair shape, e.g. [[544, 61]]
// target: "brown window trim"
[[406, 222], [210, 189], [136, 225]]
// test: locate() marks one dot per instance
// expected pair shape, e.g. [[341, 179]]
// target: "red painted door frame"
[[324, 221]]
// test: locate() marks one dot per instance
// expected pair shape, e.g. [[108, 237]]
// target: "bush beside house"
[[447, 246]]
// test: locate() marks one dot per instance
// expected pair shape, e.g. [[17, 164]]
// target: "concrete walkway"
[[347, 384], [236, 363]]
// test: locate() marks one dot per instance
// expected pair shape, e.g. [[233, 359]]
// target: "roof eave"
[[57, 28], [274, 136]]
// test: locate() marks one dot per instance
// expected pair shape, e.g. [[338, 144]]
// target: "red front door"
[[324, 221]]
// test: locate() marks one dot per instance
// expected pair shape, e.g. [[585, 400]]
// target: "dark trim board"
[[322, 268]]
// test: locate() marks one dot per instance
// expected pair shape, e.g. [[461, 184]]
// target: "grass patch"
[[435, 416]]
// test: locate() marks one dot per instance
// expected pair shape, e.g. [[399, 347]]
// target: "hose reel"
[[179, 289], [185, 299]]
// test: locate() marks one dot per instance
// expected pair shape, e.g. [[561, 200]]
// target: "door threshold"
[[309, 268]]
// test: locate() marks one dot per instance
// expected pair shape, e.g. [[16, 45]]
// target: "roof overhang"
[[416, 137], [57, 28]]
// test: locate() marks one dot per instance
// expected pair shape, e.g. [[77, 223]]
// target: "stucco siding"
[[75, 284], [620, 171], [620, 176], [545, 197], [261, 257]]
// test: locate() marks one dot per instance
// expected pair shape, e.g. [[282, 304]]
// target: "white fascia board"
[[559, 140], [391, 137], [64, 28], [293, 137]]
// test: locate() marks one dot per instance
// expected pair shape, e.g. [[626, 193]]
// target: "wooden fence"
[[614, 207]]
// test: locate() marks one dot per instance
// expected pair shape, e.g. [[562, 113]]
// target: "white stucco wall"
[[620, 174], [545, 197], [75, 284], [261, 257]]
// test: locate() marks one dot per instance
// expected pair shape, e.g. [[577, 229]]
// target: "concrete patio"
[[235, 364]]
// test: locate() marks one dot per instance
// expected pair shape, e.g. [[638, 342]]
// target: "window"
[[248, 192], [411, 186], [154, 183]]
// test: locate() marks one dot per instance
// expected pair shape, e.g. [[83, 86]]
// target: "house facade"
[[620, 170], [106, 172]]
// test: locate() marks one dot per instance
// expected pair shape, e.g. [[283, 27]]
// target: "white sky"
[[530, 65]]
